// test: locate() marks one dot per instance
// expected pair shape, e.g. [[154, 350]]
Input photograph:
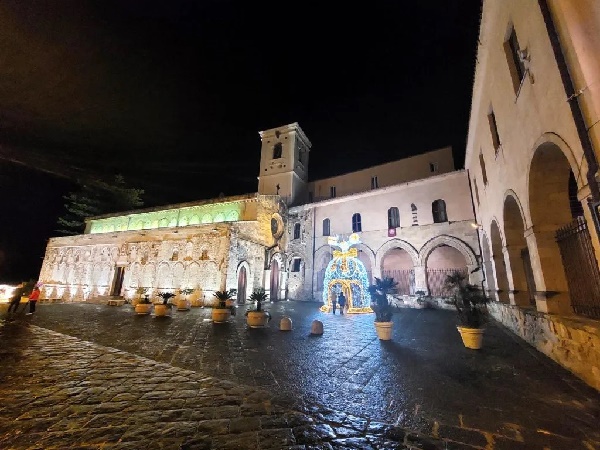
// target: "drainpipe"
[[586, 143]]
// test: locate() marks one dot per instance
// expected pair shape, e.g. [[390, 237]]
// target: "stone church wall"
[[82, 268], [300, 281]]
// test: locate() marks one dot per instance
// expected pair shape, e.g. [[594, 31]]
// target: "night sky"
[[172, 94]]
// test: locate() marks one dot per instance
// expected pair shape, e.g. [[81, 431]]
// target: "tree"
[[95, 199]]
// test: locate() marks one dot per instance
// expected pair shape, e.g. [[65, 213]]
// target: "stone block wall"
[[573, 342]]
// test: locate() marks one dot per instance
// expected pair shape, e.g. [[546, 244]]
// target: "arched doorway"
[[241, 286], [565, 264], [499, 264], [398, 264], [274, 284], [519, 261], [442, 261], [322, 258]]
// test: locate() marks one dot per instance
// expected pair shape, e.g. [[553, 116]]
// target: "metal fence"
[[581, 267], [436, 281], [405, 279]]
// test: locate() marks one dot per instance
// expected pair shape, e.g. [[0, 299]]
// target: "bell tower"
[[284, 163]]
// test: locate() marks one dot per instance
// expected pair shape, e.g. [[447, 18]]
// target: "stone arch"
[[178, 275], [486, 257], [192, 276], [515, 250], [552, 164], [499, 265], [450, 241], [276, 266], [164, 276], [367, 256], [322, 256], [244, 285], [397, 243]]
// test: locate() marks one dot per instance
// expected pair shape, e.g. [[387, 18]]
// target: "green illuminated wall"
[[178, 217]]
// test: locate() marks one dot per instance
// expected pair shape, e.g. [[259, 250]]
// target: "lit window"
[[438, 209], [374, 183], [393, 218], [356, 225], [326, 227], [297, 231], [332, 193]]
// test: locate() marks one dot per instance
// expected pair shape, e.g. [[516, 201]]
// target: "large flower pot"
[[220, 315], [143, 308], [384, 330], [183, 305], [162, 310], [257, 319], [471, 337]]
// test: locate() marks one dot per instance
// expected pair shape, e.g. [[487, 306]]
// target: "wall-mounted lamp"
[[476, 225]]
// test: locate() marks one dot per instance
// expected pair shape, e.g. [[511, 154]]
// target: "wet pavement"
[[505, 396]]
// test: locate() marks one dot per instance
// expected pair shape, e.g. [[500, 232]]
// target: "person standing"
[[334, 304], [33, 298], [342, 302], [16, 298]]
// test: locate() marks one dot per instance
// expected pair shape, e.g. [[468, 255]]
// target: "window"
[[516, 64], [356, 225], [296, 264], [415, 220], [393, 218], [476, 191], [277, 150], [297, 231], [494, 130], [374, 183], [326, 227], [438, 209], [482, 165], [433, 167], [332, 191]]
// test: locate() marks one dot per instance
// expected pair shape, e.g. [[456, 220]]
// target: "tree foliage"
[[95, 199]]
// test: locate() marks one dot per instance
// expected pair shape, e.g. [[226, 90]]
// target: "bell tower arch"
[[284, 163]]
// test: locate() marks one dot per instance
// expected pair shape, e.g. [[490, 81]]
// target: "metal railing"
[[581, 267]]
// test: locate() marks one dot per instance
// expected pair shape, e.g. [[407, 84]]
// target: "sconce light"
[[476, 225]]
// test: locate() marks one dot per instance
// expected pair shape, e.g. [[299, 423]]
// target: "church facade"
[[414, 218]]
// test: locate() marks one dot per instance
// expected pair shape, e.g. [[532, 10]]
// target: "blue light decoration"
[[346, 273]]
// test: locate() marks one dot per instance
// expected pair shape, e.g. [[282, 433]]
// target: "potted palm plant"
[[257, 318], [162, 309], [144, 305], [225, 307], [380, 302], [182, 303], [139, 292], [471, 305]]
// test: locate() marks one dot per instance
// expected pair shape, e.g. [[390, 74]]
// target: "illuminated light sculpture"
[[346, 273]]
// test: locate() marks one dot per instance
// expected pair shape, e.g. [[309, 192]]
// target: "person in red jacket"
[[33, 298]]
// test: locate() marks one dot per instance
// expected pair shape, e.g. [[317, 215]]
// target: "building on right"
[[532, 157]]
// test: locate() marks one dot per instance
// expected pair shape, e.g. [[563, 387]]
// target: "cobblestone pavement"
[[505, 396]]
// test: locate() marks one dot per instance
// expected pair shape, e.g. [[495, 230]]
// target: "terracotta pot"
[[471, 337], [143, 308], [257, 319], [384, 330], [183, 305], [220, 315], [162, 310]]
